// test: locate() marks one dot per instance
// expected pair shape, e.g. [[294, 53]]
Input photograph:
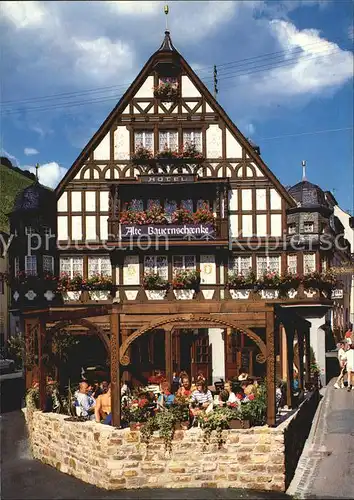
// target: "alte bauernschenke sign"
[[170, 231]]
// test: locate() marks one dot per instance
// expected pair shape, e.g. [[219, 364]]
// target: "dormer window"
[[308, 227], [144, 139], [193, 137], [48, 264], [292, 228], [31, 264], [171, 80]]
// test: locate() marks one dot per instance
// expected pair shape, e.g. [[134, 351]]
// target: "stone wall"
[[116, 458]]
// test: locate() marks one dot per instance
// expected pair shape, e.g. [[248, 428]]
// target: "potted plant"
[[289, 283], [185, 283], [156, 215], [204, 215], [190, 151], [180, 410], [168, 154], [167, 91], [269, 285], [137, 413], [182, 216], [241, 285], [217, 420], [70, 287], [141, 155], [129, 216], [155, 286], [99, 286], [254, 407]]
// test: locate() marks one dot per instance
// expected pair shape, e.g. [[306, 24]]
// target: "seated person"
[[185, 390], [85, 404], [201, 398], [223, 397], [182, 375], [250, 388], [166, 398], [231, 395], [103, 410], [243, 375]]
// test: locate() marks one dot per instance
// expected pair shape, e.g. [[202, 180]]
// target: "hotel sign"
[[166, 179], [168, 231]]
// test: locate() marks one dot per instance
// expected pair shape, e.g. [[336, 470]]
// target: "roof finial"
[[166, 11], [304, 170], [37, 167]]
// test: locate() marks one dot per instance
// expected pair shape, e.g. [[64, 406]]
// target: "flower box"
[[269, 293], [239, 424], [71, 295], [156, 294], [240, 293], [99, 294], [184, 294]]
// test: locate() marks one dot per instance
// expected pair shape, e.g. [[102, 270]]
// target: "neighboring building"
[[166, 154], [12, 181]]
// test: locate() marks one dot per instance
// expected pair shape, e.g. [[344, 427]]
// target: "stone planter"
[[156, 294], [136, 426], [71, 295], [184, 294], [269, 293], [182, 426], [240, 293], [239, 424], [99, 294]]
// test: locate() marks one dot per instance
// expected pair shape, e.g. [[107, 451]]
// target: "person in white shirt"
[[342, 359], [350, 367], [86, 405]]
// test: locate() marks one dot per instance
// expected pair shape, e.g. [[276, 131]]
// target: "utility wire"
[[305, 133]]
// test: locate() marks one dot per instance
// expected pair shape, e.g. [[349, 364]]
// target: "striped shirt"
[[202, 397]]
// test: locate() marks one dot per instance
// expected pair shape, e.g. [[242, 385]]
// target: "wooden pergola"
[[119, 324]]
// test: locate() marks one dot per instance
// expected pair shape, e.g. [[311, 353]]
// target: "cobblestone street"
[[24, 478]]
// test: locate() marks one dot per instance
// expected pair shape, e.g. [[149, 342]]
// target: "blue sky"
[[285, 75]]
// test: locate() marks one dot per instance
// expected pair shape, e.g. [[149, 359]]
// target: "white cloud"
[[49, 174], [23, 14], [250, 129], [351, 33], [135, 8], [31, 151]]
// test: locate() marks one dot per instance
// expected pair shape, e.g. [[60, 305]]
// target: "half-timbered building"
[[170, 184]]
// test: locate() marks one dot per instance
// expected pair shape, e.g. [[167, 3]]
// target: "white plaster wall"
[[249, 172], [63, 227], [247, 225], [275, 225], [275, 200], [91, 233], [261, 225], [208, 109], [104, 195], [246, 199], [103, 227], [233, 148], [217, 353], [62, 203], [207, 269], [78, 175], [188, 88], [318, 344], [258, 171], [76, 227], [90, 201], [233, 199], [131, 270], [102, 151], [261, 199], [146, 90], [214, 141], [234, 226], [121, 143], [76, 205]]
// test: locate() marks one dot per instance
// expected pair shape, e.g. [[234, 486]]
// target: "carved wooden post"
[[41, 367], [115, 368], [290, 331], [271, 409], [300, 343], [307, 356], [168, 353]]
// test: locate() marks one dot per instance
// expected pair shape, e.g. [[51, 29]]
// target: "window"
[[203, 203], [292, 264], [170, 206], [31, 264], [16, 265], [136, 205], [309, 262], [151, 203], [308, 227], [72, 265], [156, 264], [168, 139], [184, 262], [99, 265], [48, 264], [145, 139], [324, 264], [187, 205], [172, 80], [240, 265], [270, 263], [193, 137], [292, 228]]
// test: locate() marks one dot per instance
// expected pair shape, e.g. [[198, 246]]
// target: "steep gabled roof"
[[168, 47]]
